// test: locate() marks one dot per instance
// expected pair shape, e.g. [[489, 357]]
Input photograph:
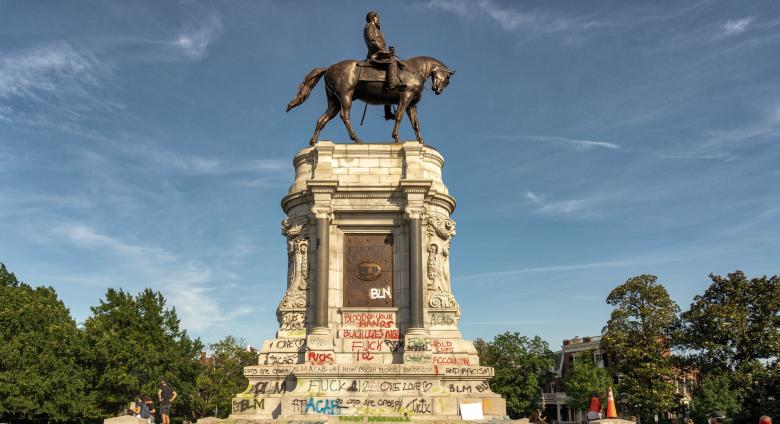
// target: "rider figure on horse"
[[378, 55]]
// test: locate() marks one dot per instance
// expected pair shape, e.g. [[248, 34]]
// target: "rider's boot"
[[392, 80], [389, 115]]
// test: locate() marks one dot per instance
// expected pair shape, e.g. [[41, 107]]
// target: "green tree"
[[585, 380], [482, 348], [522, 367], [764, 395], [637, 338], [735, 327], [222, 378], [713, 394], [134, 342], [735, 322], [42, 377]]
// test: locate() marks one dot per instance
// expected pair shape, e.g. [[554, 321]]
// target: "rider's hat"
[[371, 15]]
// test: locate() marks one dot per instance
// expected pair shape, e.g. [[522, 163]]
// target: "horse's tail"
[[304, 88]]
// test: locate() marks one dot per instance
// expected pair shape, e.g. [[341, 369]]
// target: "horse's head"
[[441, 78]]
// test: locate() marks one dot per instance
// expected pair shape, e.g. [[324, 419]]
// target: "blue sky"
[[145, 144]]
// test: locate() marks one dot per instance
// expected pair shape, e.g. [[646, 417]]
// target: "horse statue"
[[347, 81]]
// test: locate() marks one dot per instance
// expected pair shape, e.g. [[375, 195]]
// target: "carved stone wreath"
[[441, 226], [442, 300]]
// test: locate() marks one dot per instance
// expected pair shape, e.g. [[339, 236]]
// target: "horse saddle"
[[375, 72]]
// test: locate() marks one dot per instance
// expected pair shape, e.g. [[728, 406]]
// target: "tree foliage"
[[637, 338], [134, 342], [222, 377], [522, 367], [713, 393], [763, 396], [734, 327], [42, 376], [585, 380], [736, 322]]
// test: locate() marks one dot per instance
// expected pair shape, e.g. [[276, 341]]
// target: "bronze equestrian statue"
[[377, 55], [350, 80]]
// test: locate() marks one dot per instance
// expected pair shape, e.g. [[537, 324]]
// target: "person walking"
[[165, 395]]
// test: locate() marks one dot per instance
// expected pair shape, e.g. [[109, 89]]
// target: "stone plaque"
[[368, 270]]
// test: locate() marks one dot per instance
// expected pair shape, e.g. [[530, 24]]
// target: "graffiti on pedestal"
[[264, 388], [240, 406], [362, 407], [369, 319]]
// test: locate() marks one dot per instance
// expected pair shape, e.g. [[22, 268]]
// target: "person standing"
[[765, 419], [165, 395]]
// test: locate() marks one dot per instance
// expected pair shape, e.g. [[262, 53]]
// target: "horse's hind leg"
[[330, 112], [346, 106]]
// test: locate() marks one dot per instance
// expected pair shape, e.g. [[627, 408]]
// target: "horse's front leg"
[[403, 103], [412, 112]]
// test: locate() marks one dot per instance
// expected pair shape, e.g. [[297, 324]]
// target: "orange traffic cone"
[[611, 410]]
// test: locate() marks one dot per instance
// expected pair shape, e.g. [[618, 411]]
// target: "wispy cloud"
[[150, 151], [726, 144], [56, 86], [519, 322], [530, 195], [736, 26], [188, 34], [55, 69], [576, 144], [560, 207], [194, 40], [85, 236], [549, 269], [189, 284], [515, 19]]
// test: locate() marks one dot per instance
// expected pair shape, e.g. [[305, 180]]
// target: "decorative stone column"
[[319, 342], [321, 189], [416, 295], [416, 191], [322, 220], [323, 216]]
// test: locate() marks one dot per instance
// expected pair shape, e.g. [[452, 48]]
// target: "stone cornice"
[[295, 199], [416, 186], [443, 200], [322, 186], [433, 154]]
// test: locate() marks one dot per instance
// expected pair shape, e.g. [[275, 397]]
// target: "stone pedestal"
[[368, 327]]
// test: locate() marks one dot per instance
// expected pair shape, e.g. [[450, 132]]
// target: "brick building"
[[554, 399]]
